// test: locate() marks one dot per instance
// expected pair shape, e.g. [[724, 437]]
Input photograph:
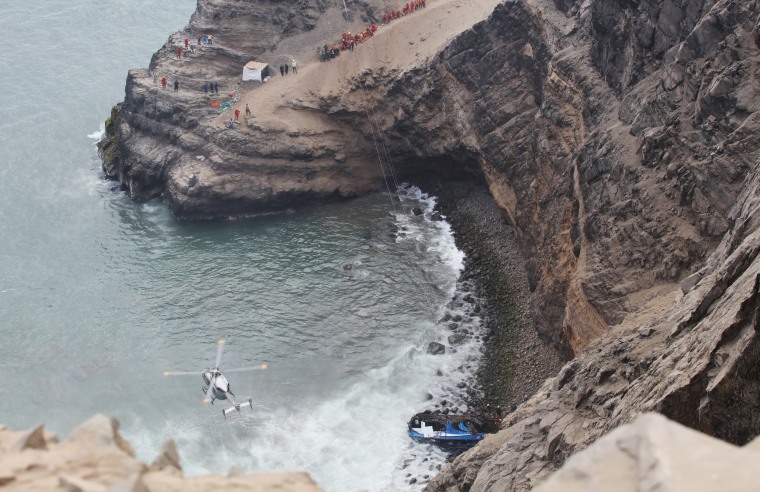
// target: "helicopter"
[[215, 385]]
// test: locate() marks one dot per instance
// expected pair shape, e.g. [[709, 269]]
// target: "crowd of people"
[[406, 9], [189, 48], [348, 41], [284, 67]]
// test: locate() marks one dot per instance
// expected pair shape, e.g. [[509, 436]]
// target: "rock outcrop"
[[95, 458], [653, 453], [617, 137]]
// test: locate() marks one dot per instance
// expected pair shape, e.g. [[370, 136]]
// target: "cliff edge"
[[618, 139]]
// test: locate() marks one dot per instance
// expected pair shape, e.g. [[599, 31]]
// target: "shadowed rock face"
[[696, 364], [653, 199], [613, 195], [618, 137]]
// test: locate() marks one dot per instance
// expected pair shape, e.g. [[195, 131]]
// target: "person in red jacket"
[[163, 82], [237, 114], [187, 43], [179, 52]]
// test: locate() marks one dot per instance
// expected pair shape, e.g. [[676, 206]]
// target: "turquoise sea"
[[99, 294]]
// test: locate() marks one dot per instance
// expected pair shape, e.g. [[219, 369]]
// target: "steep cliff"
[[696, 363], [616, 137]]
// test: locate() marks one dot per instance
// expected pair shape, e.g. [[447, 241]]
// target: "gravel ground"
[[516, 360]]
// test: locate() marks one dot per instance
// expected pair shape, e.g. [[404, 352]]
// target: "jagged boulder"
[[654, 453], [95, 458]]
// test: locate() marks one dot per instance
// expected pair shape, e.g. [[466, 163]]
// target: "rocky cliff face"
[[661, 165], [695, 363], [616, 188], [617, 137]]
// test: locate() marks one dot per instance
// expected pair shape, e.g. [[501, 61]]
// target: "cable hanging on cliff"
[[423, 277]]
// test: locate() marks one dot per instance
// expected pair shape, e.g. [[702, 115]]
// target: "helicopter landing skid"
[[237, 407]]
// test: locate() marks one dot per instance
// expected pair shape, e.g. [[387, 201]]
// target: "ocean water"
[[99, 295]]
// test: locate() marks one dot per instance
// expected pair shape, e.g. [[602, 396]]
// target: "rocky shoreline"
[[516, 360]]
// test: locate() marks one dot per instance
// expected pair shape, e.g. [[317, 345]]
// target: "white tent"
[[255, 71]]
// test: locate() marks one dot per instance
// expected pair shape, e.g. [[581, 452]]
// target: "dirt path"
[[398, 45]]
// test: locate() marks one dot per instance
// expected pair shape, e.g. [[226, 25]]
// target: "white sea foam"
[[98, 135], [354, 438]]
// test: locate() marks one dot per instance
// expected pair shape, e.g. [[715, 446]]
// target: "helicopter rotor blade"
[[252, 368], [219, 350], [181, 373]]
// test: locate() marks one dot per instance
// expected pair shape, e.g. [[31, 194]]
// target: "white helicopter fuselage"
[[220, 384], [216, 386]]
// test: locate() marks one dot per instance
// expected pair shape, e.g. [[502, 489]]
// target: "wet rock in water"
[[453, 326], [348, 266], [428, 396], [457, 318], [439, 373], [436, 217], [436, 348], [456, 338], [417, 211], [446, 317]]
